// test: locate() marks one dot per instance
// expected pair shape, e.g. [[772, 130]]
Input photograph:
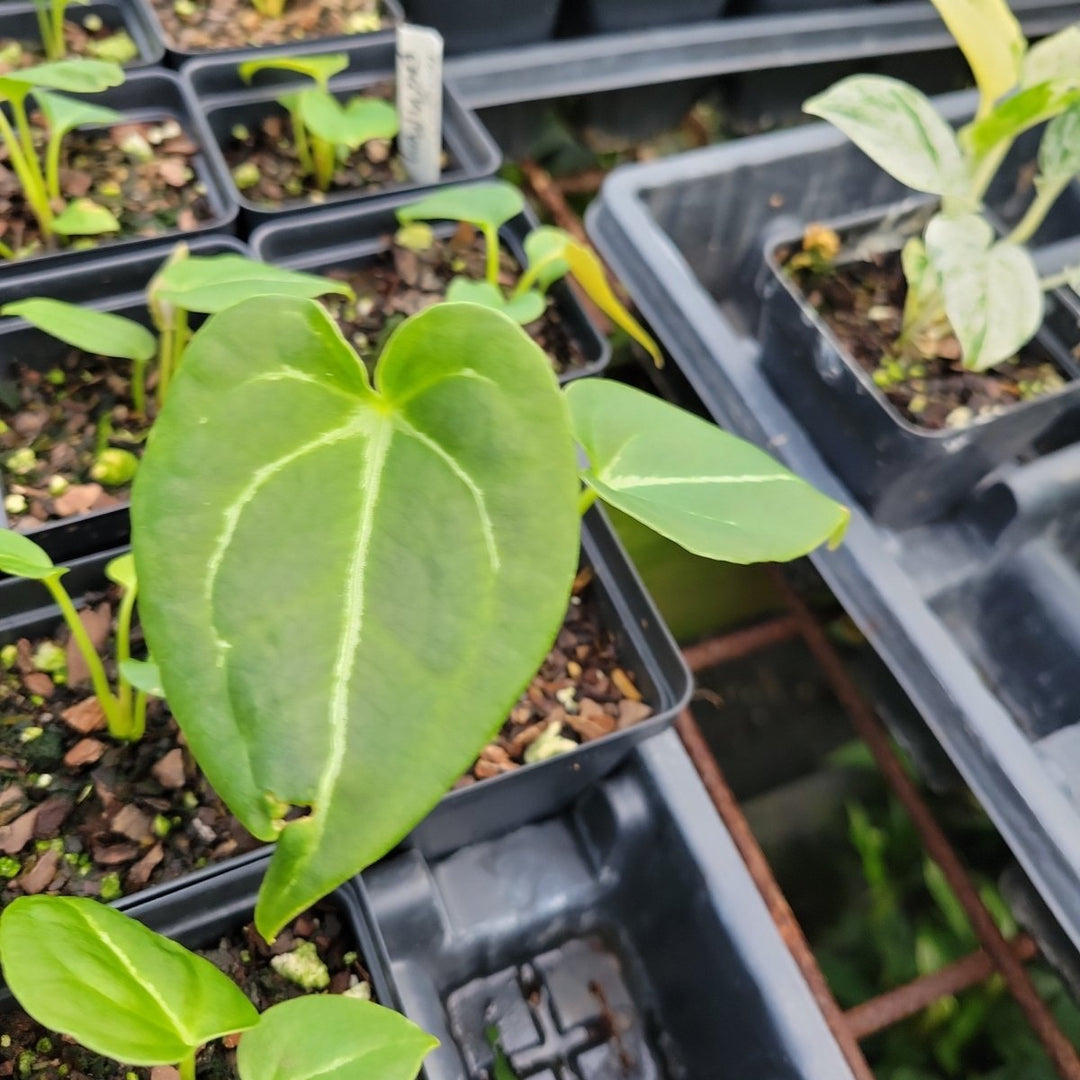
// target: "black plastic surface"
[[114, 282], [476, 25], [346, 236], [686, 236], [226, 100], [622, 939], [615, 16], [149, 95]]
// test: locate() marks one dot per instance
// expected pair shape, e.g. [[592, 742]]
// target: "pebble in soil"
[[29, 1050], [69, 437], [267, 171], [400, 282], [201, 25], [863, 304], [90, 37], [143, 172]]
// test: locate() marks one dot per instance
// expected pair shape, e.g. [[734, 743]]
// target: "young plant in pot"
[[929, 320], [100, 410], [60, 36]]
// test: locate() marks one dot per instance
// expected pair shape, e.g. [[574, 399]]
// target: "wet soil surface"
[[83, 38], [59, 423], [194, 26], [244, 957], [144, 173], [400, 282], [863, 302]]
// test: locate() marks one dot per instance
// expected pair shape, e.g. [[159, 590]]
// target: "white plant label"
[[419, 101]]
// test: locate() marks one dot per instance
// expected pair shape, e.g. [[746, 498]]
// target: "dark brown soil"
[[81, 814], [270, 149], [59, 414], [96, 41], [243, 956], [148, 197], [400, 282], [203, 25], [863, 304], [581, 693]]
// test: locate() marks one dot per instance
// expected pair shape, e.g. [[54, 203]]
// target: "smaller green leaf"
[[144, 675], [351, 125], [1055, 57], [898, 127], [210, 283], [99, 333], [64, 114], [78, 76], [491, 205], [523, 309], [320, 68], [332, 1037], [694, 483], [121, 571], [1016, 114], [21, 557], [84, 217], [1059, 151], [544, 249], [89, 971]]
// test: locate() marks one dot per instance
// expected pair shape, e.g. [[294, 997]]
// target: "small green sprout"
[[322, 127], [551, 254]]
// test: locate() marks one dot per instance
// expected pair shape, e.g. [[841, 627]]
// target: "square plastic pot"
[[315, 243], [150, 95], [112, 281], [476, 25], [614, 16], [225, 100], [19, 20], [622, 938]]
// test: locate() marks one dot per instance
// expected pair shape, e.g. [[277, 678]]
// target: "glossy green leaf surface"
[[85, 969], [211, 283], [332, 1037], [523, 309], [99, 333], [320, 68], [77, 76], [121, 571], [694, 483], [898, 127], [492, 204], [544, 249], [352, 124], [1059, 151], [1021, 111], [64, 114], [992, 294], [84, 217], [144, 675], [345, 603], [1055, 57], [21, 557]]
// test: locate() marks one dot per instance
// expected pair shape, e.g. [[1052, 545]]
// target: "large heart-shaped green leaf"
[[99, 333], [88, 971], [345, 602], [292, 1042], [898, 127], [491, 204], [707, 490]]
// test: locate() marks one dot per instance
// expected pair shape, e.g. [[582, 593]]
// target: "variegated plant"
[[961, 278]]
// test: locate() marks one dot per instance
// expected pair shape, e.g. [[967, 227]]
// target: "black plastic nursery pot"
[[226, 101], [621, 938], [687, 236], [18, 21], [476, 25], [176, 54], [614, 16], [150, 96], [349, 237], [903, 473], [114, 282]]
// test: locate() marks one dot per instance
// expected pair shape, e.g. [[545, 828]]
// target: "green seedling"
[[51, 15], [961, 279], [39, 176], [421, 532], [186, 284], [87, 970], [551, 254], [137, 680], [323, 128]]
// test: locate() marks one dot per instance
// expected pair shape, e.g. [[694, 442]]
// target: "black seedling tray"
[[476, 25], [225, 100], [621, 939], [176, 57], [687, 236], [347, 236], [19, 20], [149, 95], [114, 282]]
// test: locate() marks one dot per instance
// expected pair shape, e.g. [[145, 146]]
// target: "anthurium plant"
[[39, 173], [420, 530], [963, 280], [322, 127], [551, 253], [86, 970]]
